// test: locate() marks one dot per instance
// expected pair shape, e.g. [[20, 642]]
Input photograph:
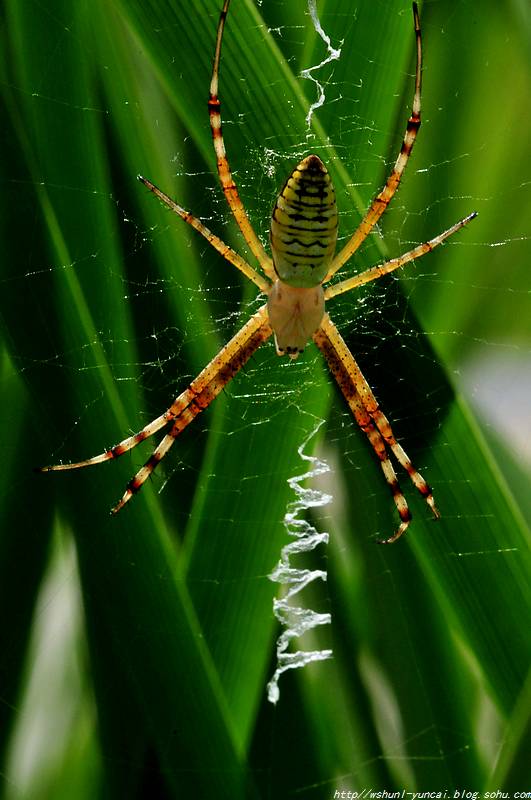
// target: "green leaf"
[[111, 306]]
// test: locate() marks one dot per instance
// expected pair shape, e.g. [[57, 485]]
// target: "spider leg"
[[205, 388], [202, 390], [382, 200], [218, 244], [377, 442], [357, 392], [127, 444], [227, 183], [373, 273]]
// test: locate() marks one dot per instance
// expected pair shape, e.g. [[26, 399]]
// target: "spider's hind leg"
[[371, 420], [378, 445], [401, 456]]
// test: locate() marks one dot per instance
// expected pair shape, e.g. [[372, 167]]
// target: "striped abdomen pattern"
[[304, 225]]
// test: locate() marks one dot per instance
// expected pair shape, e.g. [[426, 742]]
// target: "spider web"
[[105, 323]]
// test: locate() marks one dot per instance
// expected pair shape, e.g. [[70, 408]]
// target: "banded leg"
[[218, 244], [371, 404], [201, 399], [366, 424], [382, 200], [196, 397], [227, 183], [350, 379], [379, 270]]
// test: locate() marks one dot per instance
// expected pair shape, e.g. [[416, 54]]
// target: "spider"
[[303, 240]]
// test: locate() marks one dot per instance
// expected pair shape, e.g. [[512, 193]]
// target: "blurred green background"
[[136, 650]]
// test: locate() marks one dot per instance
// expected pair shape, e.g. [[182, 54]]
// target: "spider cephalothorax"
[[303, 240]]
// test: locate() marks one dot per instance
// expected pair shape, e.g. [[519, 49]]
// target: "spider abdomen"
[[304, 225]]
